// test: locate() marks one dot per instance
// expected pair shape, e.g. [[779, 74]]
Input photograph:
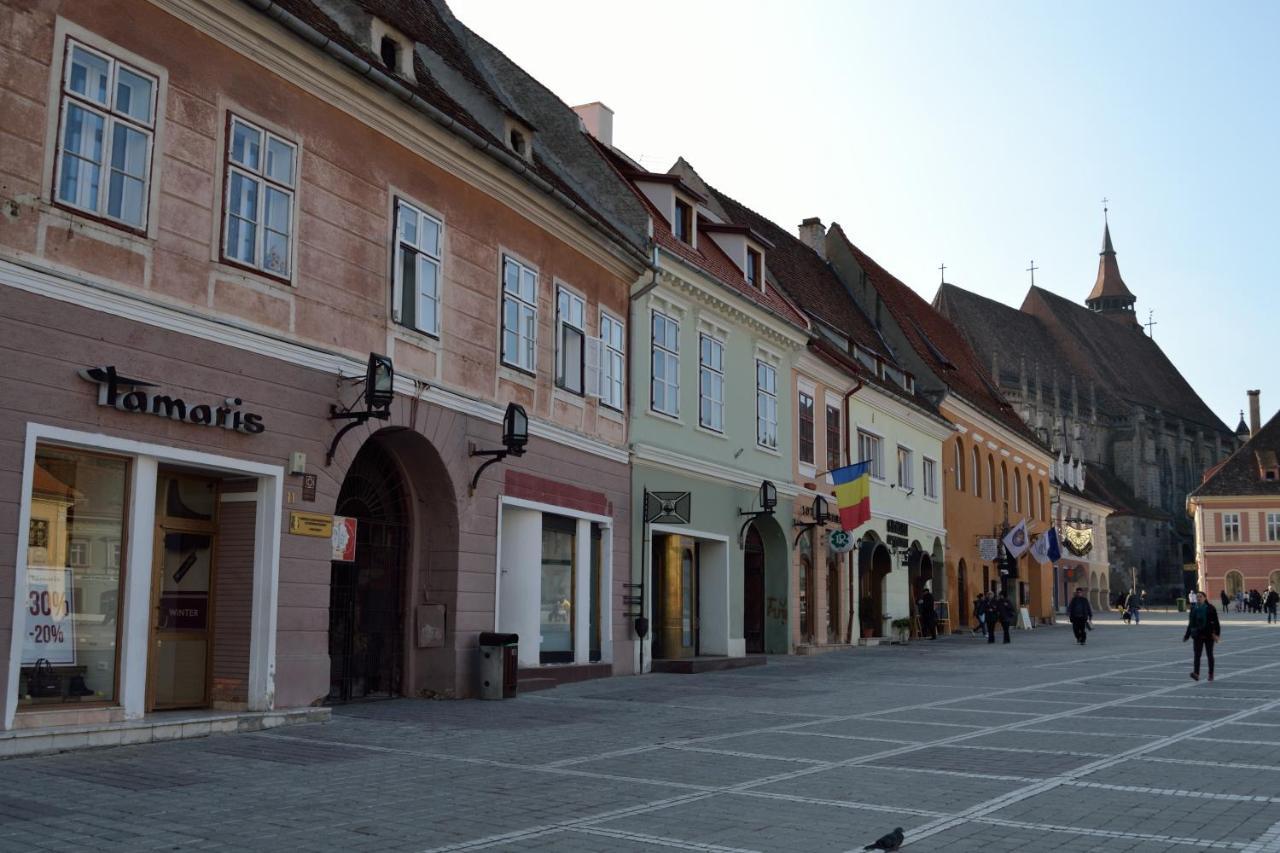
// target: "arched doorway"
[[753, 591], [874, 564], [834, 594], [1234, 583], [1274, 581], [366, 611]]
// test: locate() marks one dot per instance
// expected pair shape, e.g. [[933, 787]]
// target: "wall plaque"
[[311, 524]]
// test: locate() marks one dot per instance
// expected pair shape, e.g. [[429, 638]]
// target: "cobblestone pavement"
[[1039, 745]]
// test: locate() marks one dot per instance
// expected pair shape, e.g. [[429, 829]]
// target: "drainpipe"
[[848, 455], [646, 545]]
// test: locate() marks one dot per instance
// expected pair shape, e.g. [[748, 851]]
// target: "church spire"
[[1109, 294]]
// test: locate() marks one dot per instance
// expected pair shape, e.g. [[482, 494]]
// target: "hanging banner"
[[1079, 540], [50, 632]]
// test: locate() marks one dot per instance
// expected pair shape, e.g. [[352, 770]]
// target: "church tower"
[[1110, 296]]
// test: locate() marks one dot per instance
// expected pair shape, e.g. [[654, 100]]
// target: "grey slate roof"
[[1242, 473]]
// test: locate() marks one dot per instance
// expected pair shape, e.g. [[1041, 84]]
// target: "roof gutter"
[[309, 34]]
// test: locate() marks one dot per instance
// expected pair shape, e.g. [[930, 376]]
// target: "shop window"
[[260, 180], [106, 137], [559, 547], [766, 405], [519, 314], [416, 298], [73, 590]]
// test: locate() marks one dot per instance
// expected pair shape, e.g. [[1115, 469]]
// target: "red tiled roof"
[[939, 343], [1109, 282]]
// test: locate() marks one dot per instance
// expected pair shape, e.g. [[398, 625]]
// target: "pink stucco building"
[[213, 216]]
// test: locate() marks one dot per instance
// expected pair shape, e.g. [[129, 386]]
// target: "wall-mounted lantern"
[[768, 498], [515, 435], [821, 515], [379, 391]]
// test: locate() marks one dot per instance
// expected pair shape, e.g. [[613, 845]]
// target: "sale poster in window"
[[50, 631]]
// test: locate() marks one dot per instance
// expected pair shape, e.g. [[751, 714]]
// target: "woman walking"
[[1203, 630]]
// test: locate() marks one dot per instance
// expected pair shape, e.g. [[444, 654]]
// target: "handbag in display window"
[[43, 681]]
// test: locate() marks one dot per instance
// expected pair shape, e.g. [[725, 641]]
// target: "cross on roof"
[[942, 268], [1150, 322], [1032, 269], [1105, 202]]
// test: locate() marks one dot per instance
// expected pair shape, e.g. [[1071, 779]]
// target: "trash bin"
[[499, 660], [1182, 605]]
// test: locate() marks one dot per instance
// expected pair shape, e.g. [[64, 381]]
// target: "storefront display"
[[74, 546]]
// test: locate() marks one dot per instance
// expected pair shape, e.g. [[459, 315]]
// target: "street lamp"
[[379, 391], [515, 435], [768, 497]]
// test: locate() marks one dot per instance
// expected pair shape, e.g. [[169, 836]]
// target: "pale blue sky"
[[982, 134]]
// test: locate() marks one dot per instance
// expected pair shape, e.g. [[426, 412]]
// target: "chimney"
[[1254, 412], [597, 120], [814, 235]]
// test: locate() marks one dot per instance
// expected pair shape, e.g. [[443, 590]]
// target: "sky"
[[982, 135]]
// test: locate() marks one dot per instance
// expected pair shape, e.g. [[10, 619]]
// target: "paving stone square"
[[1037, 746]]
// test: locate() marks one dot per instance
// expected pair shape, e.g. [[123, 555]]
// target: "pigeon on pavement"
[[892, 841]]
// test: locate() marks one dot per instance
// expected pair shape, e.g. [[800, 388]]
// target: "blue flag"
[[1055, 553]]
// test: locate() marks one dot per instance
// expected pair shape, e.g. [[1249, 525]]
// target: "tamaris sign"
[[128, 395]]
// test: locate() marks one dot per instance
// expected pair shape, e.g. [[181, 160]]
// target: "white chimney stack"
[[597, 120], [1255, 413], [814, 235]]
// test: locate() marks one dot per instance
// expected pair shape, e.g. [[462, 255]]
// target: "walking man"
[[1004, 612], [1080, 614], [1133, 605], [1203, 630], [1269, 603], [991, 614], [928, 615], [1226, 603], [979, 614]]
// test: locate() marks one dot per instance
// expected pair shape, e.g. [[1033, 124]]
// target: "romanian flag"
[[853, 494]]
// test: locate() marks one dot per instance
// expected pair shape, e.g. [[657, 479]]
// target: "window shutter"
[[591, 367]]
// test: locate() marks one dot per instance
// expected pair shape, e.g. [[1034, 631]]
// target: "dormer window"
[[755, 268], [392, 47], [518, 143], [390, 53], [520, 139], [683, 224]]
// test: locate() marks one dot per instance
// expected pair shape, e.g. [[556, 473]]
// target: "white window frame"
[[929, 477], [906, 470], [766, 405], [1231, 527], [526, 356], [670, 356], [111, 117], [808, 394], [422, 253], [85, 547], [114, 550], [565, 327], [613, 361], [871, 448], [1273, 527], [264, 183], [710, 383]]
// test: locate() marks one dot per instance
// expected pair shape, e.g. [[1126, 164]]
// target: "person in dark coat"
[[1080, 614], [1269, 603], [1203, 630], [928, 615], [1001, 610], [979, 611], [1133, 607], [990, 615], [1226, 603]]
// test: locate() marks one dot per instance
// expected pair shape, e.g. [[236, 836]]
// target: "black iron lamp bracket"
[[495, 456], [805, 527], [356, 419]]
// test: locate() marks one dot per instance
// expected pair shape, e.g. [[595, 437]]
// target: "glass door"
[[182, 594], [559, 544]]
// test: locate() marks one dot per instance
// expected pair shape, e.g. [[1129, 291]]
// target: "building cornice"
[[258, 38], [73, 288], [713, 293], [706, 470]]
